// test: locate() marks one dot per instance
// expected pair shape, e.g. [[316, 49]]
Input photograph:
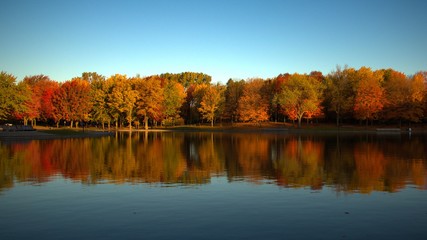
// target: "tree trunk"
[[71, 126], [338, 119], [146, 122], [299, 122]]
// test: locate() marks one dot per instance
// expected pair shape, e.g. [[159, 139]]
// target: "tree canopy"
[[345, 94], [300, 95]]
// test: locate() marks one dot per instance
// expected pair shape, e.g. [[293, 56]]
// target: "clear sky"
[[222, 38]]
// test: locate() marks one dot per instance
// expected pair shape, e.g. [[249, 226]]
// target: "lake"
[[195, 185]]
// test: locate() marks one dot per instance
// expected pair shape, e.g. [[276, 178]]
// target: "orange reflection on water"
[[347, 164]]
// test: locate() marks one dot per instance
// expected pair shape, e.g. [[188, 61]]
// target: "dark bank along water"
[[215, 185]]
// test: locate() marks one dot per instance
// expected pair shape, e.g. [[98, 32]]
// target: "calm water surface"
[[175, 185]]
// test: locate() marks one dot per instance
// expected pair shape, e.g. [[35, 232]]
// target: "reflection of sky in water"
[[215, 186], [221, 209]]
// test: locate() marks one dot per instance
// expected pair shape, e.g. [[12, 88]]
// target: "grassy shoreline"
[[41, 133]]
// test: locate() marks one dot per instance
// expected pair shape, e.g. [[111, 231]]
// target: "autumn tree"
[[121, 98], [277, 85], [423, 76], [396, 95], [211, 99], [24, 111], [187, 79], [12, 96], [252, 105], [32, 105], [80, 100], [189, 110], [73, 100], [46, 101], [340, 91], [150, 97], [98, 93], [267, 93], [369, 98], [232, 94], [417, 95], [39, 104], [59, 106], [174, 97], [300, 94]]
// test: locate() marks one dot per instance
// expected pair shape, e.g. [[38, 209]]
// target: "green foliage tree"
[[340, 91], [12, 96], [27, 110], [121, 98], [277, 86], [233, 92], [187, 78], [300, 94], [174, 97], [99, 90], [360, 94]]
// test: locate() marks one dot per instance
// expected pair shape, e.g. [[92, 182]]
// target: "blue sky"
[[225, 39]]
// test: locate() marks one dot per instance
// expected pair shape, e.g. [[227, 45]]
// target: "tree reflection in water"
[[349, 163]]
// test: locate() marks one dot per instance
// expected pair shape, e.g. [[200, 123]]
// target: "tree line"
[[345, 94]]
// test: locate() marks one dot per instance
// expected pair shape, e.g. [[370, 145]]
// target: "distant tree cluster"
[[346, 94]]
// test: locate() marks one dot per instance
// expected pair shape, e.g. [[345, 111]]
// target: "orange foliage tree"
[[417, 96], [396, 91], [149, 103], [369, 94], [253, 106]]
